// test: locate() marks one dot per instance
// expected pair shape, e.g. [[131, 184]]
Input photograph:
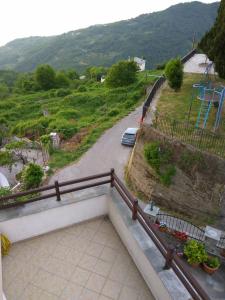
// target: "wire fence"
[[202, 139]]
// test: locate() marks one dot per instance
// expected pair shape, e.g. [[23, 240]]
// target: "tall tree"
[[45, 76], [213, 43]]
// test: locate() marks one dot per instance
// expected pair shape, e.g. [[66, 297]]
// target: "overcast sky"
[[23, 18]]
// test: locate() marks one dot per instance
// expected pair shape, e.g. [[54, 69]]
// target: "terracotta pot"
[[195, 265], [209, 270]]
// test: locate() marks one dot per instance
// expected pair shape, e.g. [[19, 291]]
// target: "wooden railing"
[[172, 260]]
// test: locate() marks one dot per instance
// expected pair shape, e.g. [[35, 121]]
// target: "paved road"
[[106, 153]]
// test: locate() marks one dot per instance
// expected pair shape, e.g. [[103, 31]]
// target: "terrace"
[[95, 242]]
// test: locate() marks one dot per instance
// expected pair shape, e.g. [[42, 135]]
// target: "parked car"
[[129, 136]]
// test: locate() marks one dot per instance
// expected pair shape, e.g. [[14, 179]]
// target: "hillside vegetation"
[[79, 113], [156, 36]]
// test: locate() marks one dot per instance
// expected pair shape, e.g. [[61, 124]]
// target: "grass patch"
[[175, 105], [159, 157]]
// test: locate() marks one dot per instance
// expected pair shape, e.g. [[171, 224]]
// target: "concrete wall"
[[146, 269], [32, 225]]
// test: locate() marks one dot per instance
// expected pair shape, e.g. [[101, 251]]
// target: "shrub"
[[174, 73], [195, 252], [122, 74], [151, 153], [66, 128], [45, 77], [5, 191], [68, 113], [82, 89], [212, 262], [167, 174], [159, 158], [113, 112], [61, 80], [32, 176], [62, 92]]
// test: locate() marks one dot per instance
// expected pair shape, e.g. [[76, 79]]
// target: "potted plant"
[[211, 264], [195, 252]]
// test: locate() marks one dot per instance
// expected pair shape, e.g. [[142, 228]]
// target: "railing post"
[[169, 258], [58, 198], [112, 177], [135, 210]]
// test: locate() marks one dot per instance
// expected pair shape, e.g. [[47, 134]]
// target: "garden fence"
[[202, 139]]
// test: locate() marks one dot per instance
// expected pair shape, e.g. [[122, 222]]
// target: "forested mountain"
[[157, 36]]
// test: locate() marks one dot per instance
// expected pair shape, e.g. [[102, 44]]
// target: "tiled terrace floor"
[[86, 261]]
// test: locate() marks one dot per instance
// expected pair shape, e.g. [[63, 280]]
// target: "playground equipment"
[[209, 96]]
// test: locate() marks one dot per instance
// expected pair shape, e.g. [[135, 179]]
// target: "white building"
[[140, 62]]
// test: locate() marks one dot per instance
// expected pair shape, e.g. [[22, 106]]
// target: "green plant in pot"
[[211, 264], [195, 252]]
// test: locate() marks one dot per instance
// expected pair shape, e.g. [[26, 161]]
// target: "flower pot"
[[194, 265], [209, 270]]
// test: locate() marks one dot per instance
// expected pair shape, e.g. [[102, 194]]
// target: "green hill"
[[156, 36]]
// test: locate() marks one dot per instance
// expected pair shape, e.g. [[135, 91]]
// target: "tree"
[[174, 73], [121, 74], [213, 43], [61, 80], [95, 73], [26, 83], [72, 74], [32, 176], [45, 77]]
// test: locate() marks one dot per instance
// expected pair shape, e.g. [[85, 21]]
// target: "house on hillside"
[[140, 62]]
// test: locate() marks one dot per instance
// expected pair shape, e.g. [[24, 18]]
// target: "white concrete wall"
[[149, 274], [25, 227]]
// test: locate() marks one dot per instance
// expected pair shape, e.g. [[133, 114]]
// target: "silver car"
[[129, 136]]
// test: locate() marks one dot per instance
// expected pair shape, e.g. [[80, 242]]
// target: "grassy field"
[[174, 118], [81, 115], [175, 105]]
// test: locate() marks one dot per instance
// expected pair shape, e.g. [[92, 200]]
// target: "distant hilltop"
[[156, 36]]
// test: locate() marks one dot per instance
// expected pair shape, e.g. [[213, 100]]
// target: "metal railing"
[[181, 225], [188, 56], [172, 260], [159, 82], [202, 139]]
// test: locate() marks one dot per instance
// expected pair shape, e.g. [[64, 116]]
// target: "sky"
[[24, 18]]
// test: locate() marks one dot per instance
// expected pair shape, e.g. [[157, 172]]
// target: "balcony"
[[91, 241]]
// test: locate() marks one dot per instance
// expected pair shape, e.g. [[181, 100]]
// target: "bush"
[[122, 74], [159, 158], [66, 128], [5, 191], [32, 176], [61, 80], [113, 112], [174, 73], [195, 252], [82, 89], [45, 77], [68, 113], [62, 92]]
